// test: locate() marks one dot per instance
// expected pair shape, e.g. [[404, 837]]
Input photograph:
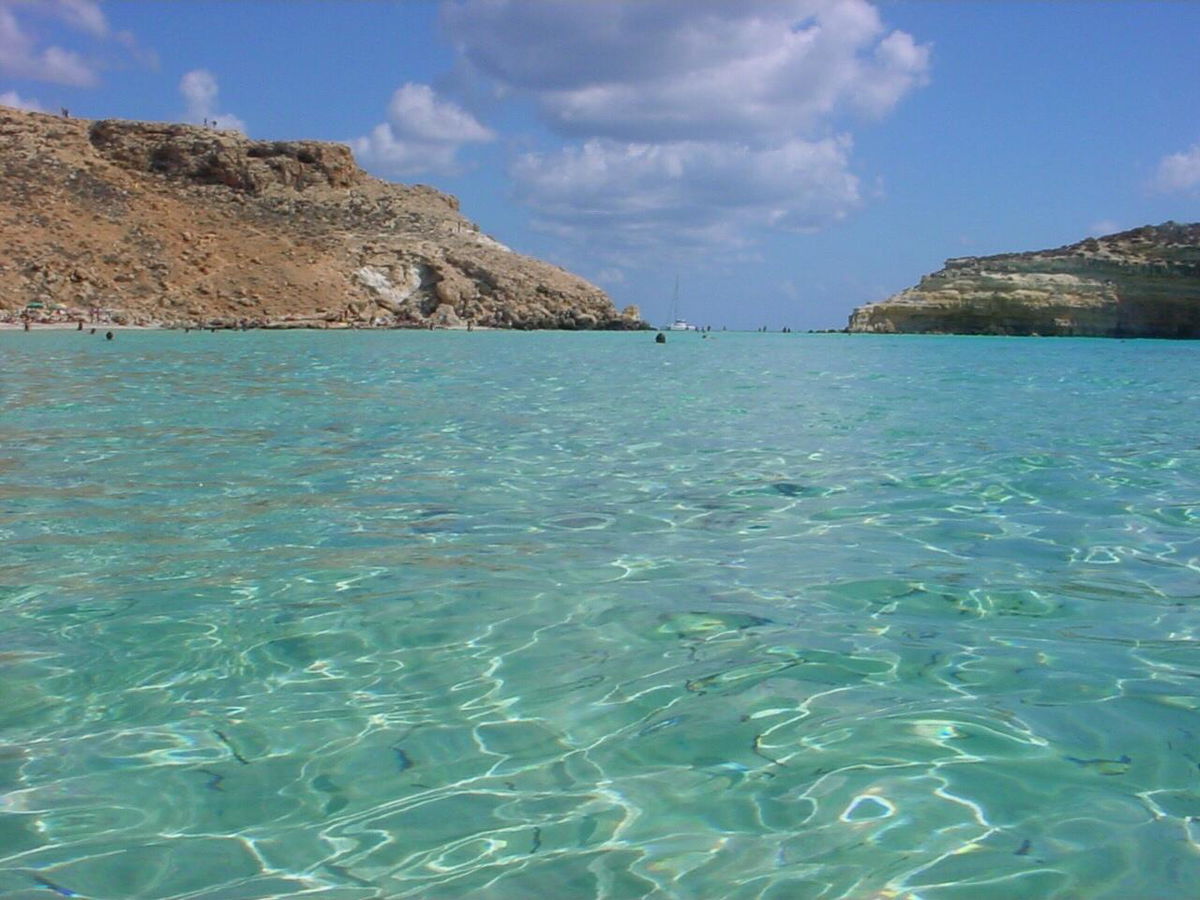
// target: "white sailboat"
[[677, 323]]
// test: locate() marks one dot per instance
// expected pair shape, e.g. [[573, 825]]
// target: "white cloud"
[[84, 15], [650, 70], [610, 276], [383, 149], [422, 134], [200, 89], [697, 192], [32, 34], [1103, 227], [703, 120], [416, 113], [12, 98], [1179, 173], [21, 57]]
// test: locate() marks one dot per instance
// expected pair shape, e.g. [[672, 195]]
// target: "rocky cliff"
[[1139, 283], [176, 224]]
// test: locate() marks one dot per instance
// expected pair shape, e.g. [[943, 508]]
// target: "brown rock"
[[139, 210]]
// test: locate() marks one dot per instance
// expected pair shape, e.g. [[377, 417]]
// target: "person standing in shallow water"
[[108, 335]]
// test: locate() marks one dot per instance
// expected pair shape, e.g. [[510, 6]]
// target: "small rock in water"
[[700, 624], [791, 489], [1118, 766]]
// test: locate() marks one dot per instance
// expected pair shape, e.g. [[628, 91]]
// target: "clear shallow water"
[[504, 615]]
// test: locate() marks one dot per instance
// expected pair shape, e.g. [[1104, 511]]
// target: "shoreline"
[[72, 326], [280, 326], [287, 326]]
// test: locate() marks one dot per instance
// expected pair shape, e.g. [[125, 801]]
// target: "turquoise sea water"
[[438, 615]]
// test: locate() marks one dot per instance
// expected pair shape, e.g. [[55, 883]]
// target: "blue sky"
[[787, 160]]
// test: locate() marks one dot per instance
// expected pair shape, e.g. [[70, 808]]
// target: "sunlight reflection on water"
[[759, 616]]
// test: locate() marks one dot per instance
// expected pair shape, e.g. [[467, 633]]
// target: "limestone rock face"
[[176, 224], [1139, 283], [205, 156]]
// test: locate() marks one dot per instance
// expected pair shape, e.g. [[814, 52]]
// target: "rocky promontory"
[[170, 224], [1139, 283]]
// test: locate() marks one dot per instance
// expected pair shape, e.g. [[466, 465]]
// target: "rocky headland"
[[174, 225], [1139, 283]]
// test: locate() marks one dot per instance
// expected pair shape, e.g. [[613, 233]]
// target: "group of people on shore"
[[57, 316]]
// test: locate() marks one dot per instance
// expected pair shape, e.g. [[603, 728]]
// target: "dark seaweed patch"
[[232, 749], [403, 763]]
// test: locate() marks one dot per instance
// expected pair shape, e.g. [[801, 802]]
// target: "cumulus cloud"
[[698, 192], [33, 34], [610, 276], [716, 118], [199, 89], [84, 15], [1179, 173], [22, 57], [650, 70], [422, 134], [12, 98]]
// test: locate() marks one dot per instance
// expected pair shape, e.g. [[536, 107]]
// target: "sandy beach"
[[72, 326], [332, 326]]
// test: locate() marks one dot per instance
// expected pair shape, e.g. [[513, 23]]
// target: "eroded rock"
[[1139, 283], [119, 216]]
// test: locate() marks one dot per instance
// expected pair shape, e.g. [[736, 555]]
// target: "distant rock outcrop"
[[1139, 283], [176, 224]]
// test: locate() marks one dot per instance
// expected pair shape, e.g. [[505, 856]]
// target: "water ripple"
[[498, 615]]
